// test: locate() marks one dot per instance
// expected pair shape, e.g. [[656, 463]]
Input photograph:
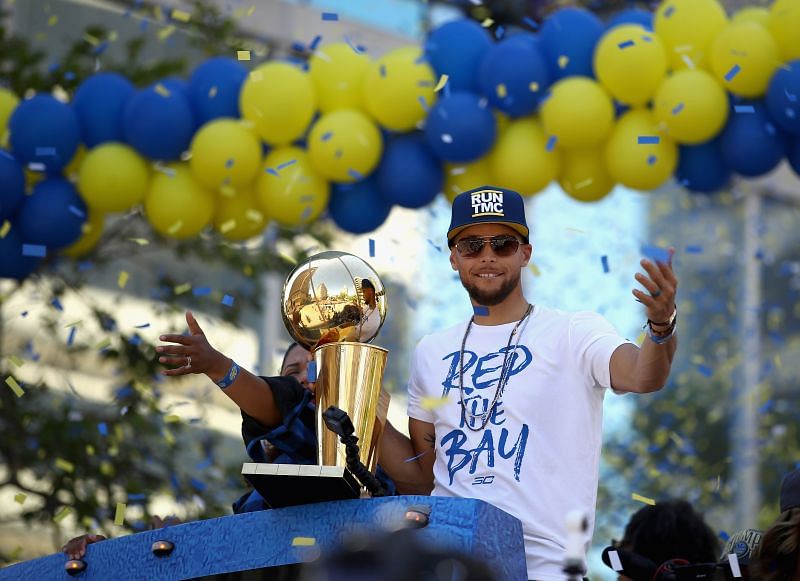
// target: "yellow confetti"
[[93, 40], [119, 516], [227, 226], [534, 86], [644, 499], [442, 82], [304, 542], [243, 55], [181, 16], [287, 258], [166, 32], [563, 61], [487, 22], [159, 15], [168, 437], [103, 344], [502, 91], [227, 191], [247, 270], [5, 228], [89, 450], [20, 497], [172, 418], [73, 324], [256, 76], [183, 288], [251, 10], [584, 183], [65, 465], [254, 215], [431, 403], [535, 269], [162, 90], [176, 227], [52, 20], [16, 360], [113, 36], [140, 241], [62, 514], [15, 387], [122, 279]]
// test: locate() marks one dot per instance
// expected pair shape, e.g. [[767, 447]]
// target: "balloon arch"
[[685, 92]]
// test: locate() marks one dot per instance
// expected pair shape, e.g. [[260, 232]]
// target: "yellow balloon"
[[692, 105], [752, 14], [225, 152], [279, 100], [398, 89], [113, 178], [744, 57], [177, 206], [289, 190], [784, 24], [73, 168], [579, 113], [637, 154], [630, 62], [344, 146], [461, 177], [92, 230], [687, 28], [337, 72], [239, 216], [521, 160], [584, 175], [8, 102]]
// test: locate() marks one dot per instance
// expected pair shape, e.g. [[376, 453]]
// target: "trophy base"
[[282, 485]]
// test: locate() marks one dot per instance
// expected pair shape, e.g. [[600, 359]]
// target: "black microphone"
[[634, 566]]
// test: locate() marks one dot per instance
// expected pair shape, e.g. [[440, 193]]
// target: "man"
[[517, 390], [371, 318]]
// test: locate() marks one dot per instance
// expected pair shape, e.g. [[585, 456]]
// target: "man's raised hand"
[[191, 353]]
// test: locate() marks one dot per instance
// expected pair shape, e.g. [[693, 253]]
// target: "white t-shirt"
[[538, 456], [369, 323]]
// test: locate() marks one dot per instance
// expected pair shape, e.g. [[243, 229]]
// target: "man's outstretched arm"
[[409, 461]]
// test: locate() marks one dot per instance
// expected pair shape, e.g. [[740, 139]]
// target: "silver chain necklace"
[[504, 373]]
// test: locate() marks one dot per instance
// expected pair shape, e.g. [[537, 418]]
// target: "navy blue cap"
[[790, 490], [488, 205]]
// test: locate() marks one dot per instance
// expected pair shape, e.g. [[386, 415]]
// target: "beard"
[[491, 298]]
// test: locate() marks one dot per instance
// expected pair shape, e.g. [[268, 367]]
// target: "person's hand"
[[661, 285], [76, 548], [192, 353]]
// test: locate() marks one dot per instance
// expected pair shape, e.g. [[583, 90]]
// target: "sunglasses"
[[502, 246]]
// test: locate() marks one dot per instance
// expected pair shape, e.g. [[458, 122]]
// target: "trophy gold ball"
[[332, 297]]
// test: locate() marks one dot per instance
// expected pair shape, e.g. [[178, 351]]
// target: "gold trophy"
[[334, 304]]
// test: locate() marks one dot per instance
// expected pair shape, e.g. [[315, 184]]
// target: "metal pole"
[[744, 438], [269, 331]]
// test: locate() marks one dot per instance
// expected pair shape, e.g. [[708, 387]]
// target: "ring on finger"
[[656, 294], [188, 361]]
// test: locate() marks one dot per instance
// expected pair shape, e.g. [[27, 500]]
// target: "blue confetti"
[[649, 140], [71, 337], [229, 163], [705, 370], [326, 136], [69, 76], [604, 262], [667, 13], [358, 49], [724, 536], [423, 103], [330, 16], [732, 73], [198, 485], [135, 340], [355, 174], [315, 43], [227, 300], [626, 44], [499, 33], [531, 22], [298, 46], [651, 160], [100, 48], [678, 108], [694, 249], [85, 265], [136, 497], [480, 311], [272, 172], [77, 211], [655, 253], [551, 143], [382, 70], [102, 428], [371, 248], [36, 250], [57, 304], [311, 371], [143, 326], [201, 291], [744, 108], [286, 164], [45, 151]]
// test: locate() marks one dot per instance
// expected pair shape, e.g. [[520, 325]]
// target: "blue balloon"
[[214, 88], [568, 38], [527, 38], [508, 72], [783, 97], [793, 155], [15, 264], [158, 123], [455, 49], [409, 175], [460, 127], [751, 144], [632, 16], [99, 103], [701, 168], [53, 215], [44, 131], [358, 208], [12, 185]]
